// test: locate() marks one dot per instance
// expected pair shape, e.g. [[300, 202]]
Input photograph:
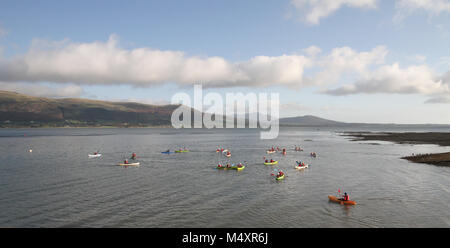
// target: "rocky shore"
[[437, 138]]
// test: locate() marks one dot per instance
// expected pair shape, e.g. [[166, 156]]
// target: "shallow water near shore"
[[57, 185]]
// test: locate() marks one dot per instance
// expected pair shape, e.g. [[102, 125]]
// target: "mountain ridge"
[[19, 110]]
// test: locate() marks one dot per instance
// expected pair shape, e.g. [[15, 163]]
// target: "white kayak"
[[130, 164], [94, 155], [301, 167]]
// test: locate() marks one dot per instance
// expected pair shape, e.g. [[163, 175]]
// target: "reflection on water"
[[58, 185]]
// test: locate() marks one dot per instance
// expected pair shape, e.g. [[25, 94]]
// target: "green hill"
[[18, 110]]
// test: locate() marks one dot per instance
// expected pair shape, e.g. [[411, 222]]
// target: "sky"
[[377, 61]]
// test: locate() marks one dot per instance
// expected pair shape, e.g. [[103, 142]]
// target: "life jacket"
[[346, 198]]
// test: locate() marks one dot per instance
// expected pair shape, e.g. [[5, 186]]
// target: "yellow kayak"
[[239, 168], [130, 164], [271, 163], [298, 167], [181, 151], [280, 177]]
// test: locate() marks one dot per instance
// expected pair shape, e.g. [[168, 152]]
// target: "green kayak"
[[280, 178]]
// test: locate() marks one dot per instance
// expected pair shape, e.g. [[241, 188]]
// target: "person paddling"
[[345, 197], [280, 174]]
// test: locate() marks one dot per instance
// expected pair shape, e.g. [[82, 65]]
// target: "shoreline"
[[415, 138], [439, 159], [434, 138]]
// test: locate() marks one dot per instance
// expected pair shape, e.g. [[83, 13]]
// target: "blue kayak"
[[167, 152]]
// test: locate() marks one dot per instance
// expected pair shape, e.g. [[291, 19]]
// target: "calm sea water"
[[57, 185]]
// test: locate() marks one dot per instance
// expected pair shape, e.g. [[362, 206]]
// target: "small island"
[[437, 138]]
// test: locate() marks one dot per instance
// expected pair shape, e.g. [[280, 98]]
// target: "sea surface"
[[57, 185]]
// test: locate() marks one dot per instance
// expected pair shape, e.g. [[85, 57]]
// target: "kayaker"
[[271, 160], [228, 165], [168, 150], [267, 161], [133, 155], [126, 161], [346, 197]]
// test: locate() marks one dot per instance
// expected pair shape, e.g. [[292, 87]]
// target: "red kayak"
[[335, 199]]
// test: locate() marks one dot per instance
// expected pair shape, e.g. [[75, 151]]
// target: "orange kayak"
[[335, 199]]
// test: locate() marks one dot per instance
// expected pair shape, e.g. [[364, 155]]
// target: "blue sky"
[[359, 83]]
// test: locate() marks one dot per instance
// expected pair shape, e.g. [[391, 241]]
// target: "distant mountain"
[[309, 120], [18, 110]]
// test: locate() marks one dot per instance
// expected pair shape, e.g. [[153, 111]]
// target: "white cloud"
[[345, 60], [314, 10], [393, 79], [312, 51], [107, 63], [41, 90], [432, 6]]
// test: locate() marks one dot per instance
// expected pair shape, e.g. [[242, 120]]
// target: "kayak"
[[225, 168], [130, 164], [238, 168], [94, 155], [337, 200], [301, 167], [280, 178], [271, 163], [270, 152], [177, 151], [167, 152]]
